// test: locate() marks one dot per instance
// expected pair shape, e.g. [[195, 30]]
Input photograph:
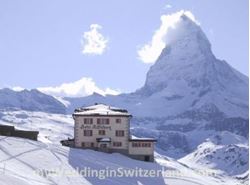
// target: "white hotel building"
[[107, 129]]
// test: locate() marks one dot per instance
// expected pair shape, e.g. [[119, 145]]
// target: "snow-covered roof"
[[101, 110], [103, 139], [134, 138]]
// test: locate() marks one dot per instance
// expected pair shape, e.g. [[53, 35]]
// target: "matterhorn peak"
[[186, 49], [181, 29], [186, 63], [185, 32]]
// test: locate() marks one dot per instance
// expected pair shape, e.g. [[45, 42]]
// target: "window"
[[136, 144], [146, 158], [146, 144], [117, 144], [88, 121], [119, 133], [87, 144], [87, 132], [140, 144], [102, 132], [118, 120], [103, 121]]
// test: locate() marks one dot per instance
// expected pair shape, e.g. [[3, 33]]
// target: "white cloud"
[[93, 42], [17, 88], [83, 87], [167, 6], [151, 51]]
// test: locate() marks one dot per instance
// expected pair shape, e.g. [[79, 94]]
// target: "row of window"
[[87, 144], [140, 144], [119, 144], [101, 121], [90, 144], [118, 133]]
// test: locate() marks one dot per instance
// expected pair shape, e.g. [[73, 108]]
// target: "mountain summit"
[[187, 74], [186, 46]]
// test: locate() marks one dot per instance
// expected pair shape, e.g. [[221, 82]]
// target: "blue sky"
[[40, 41]]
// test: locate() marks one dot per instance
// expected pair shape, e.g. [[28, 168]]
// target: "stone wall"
[[6, 130]]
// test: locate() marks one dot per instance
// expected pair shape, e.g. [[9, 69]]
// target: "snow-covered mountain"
[[186, 77], [225, 151], [32, 100]]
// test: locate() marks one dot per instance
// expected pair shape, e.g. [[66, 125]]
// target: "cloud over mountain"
[[83, 87], [163, 36]]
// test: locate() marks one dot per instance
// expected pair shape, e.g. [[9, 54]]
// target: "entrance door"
[[103, 147], [146, 158]]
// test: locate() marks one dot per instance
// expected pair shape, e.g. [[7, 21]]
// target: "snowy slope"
[[52, 127], [19, 156], [24, 160], [214, 153]]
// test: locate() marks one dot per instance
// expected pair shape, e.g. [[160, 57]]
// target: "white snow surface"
[[101, 109], [232, 158], [26, 162]]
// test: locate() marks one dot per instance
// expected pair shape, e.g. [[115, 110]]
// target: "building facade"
[[107, 129]]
